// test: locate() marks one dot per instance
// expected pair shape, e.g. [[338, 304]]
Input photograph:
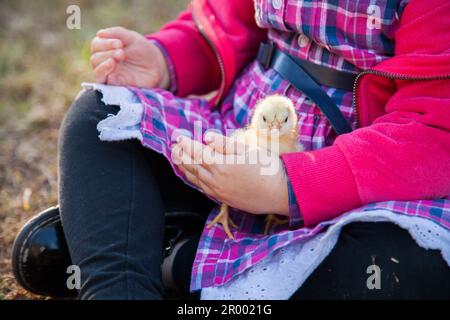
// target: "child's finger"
[[99, 57], [125, 35], [195, 173], [197, 180], [192, 148], [104, 69], [223, 144], [99, 44]]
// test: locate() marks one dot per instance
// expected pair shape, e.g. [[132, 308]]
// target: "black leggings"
[[113, 196]]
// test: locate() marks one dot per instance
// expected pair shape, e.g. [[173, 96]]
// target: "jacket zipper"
[[216, 52], [392, 76]]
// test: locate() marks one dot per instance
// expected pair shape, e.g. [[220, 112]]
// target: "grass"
[[42, 64]]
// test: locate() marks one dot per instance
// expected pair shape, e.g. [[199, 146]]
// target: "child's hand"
[[126, 58], [231, 181]]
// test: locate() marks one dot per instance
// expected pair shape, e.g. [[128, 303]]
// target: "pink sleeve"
[[403, 155]]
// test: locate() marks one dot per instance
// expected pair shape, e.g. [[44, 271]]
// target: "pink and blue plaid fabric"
[[344, 34]]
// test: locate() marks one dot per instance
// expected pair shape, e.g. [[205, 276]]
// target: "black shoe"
[[180, 225], [182, 234], [40, 256], [177, 266]]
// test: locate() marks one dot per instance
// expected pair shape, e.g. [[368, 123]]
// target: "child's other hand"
[[126, 58]]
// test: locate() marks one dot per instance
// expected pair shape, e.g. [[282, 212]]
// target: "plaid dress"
[[350, 35]]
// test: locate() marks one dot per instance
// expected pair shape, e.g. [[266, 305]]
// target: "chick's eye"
[[286, 120], [264, 118]]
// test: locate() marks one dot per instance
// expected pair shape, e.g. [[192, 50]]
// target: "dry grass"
[[41, 66]]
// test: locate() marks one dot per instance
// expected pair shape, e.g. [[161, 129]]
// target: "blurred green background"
[[42, 64]]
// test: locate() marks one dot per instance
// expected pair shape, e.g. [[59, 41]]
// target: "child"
[[392, 167]]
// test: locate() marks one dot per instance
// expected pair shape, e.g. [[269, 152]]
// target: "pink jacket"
[[401, 150]]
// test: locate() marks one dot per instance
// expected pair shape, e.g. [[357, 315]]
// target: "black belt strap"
[[306, 76]]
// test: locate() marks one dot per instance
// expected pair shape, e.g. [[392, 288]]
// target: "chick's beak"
[[276, 125]]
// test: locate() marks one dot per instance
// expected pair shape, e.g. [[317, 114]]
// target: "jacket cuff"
[[323, 183], [170, 65], [295, 216], [195, 65]]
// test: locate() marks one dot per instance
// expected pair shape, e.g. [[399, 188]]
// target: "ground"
[[42, 64]]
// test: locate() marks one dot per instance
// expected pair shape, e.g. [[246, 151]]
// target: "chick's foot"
[[225, 220], [272, 220]]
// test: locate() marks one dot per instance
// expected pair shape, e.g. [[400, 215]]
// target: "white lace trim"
[[280, 276], [126, 123]]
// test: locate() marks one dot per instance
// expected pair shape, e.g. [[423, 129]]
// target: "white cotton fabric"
[[126, 123], [287, 269]]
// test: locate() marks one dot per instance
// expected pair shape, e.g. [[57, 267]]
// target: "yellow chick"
[[273, 127]]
